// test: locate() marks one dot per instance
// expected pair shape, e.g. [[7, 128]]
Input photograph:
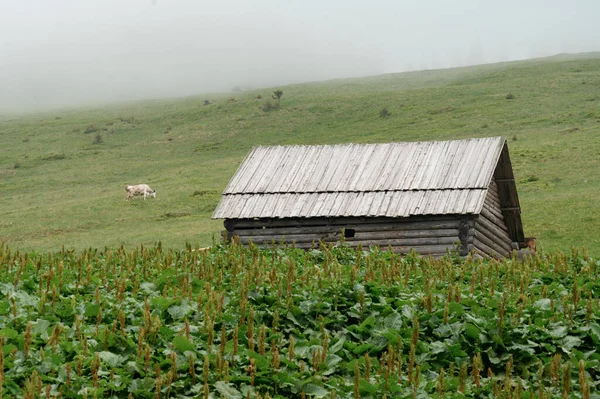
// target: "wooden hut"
[[427, 196]]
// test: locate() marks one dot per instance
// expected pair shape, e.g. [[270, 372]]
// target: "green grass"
[[58, 187]]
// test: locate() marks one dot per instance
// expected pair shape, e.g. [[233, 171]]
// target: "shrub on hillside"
[[91, 128], [127, 119], [384, 113], [53, 156], [267, 107]]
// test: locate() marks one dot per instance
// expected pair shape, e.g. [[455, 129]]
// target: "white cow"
[[141, 190]]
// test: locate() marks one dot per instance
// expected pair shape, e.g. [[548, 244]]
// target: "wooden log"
[[428, 249], [288, 238], [402, 230], [493, 219], [492, 228], [505, 244], [493, 191], [491, 240], [373, 235], [498, 250], [493, 210], [486, 250], [425, 225], [297, 222], [365, 241]]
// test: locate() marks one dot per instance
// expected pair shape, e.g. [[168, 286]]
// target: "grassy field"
[[62, 173]]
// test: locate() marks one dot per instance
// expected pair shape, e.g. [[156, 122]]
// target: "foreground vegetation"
[[333, 322], [62, 173]]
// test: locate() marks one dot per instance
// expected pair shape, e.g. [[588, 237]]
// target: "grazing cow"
[[141, 190]]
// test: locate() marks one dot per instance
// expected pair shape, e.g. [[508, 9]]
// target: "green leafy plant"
[[243, 322]]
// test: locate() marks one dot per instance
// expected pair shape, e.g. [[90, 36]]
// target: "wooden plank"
[[240, 178], [338, 159], [385, 167], [360, 174], [320, 163]]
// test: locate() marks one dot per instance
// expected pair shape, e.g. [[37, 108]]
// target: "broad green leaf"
[[442, 331], [393, 321], [315, 390], [471, 331], [543, 304], [392, 336], [521, 348], [91, 310], [113, 360], [493, 357], [368, 324], [331, 360], [456, 308], [166, 333], [6, 349], [408, 312], [360, 349], [178, 312], [182, 344], [338, 345], [595, 328], [302, 350], [436, 347], [261, 362], [40, 327], [9, 333], [570, 341], [148, 287], [161, 303], [558, 332], [65, 310], [227, 390], [366, 388], [456, 351]]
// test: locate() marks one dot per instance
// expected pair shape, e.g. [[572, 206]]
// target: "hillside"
[[60, 187]]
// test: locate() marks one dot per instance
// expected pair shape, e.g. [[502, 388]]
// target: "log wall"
[[433, 235], [491, 235]]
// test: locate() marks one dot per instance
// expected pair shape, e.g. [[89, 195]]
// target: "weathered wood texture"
[[507, 196], [491, 234], [426, 235]]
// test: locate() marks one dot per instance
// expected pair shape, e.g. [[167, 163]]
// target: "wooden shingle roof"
[[391, 180]]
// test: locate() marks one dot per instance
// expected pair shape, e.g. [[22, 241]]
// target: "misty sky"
[[70, 52]]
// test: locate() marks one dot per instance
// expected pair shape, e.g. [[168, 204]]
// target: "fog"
[[74, 52]]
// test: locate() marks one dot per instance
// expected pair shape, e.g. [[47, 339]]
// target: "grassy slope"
[[57, 187]]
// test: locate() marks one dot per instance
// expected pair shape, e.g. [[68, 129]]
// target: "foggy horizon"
[[64, 53]]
